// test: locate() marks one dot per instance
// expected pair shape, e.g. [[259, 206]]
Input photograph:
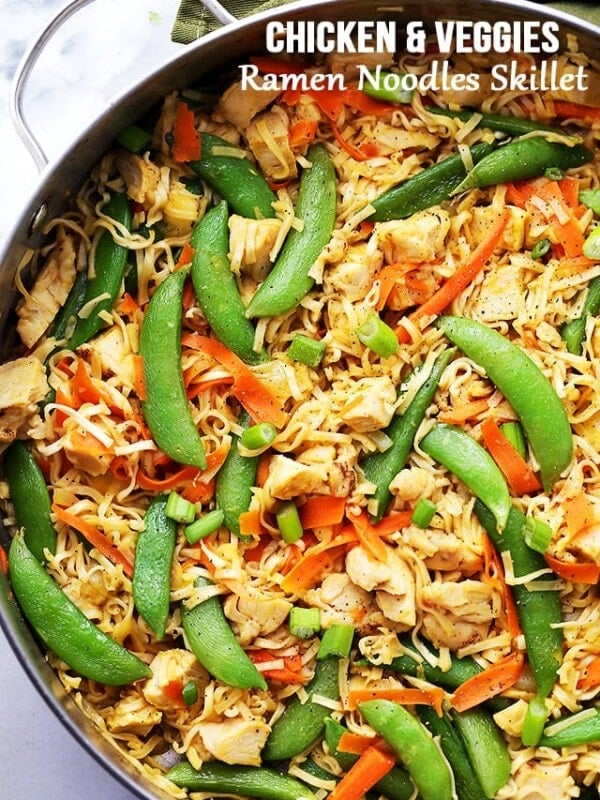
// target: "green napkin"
[[193, 20]]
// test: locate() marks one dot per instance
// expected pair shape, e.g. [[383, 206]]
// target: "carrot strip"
[[250, 524], [563, 108], [127, 305], [464, 412], [96, 538], [83, 387], [290, 673], [579, 514], [182, 477], [577, 571], [303, 132], [321, 511], [407, 697], [352, 151], [186, 139], [492, 681], [139, 380], [368, 536], [590, 676], [392, 523], [308, 570], [356, 744], [185, 256], [3, 560], [370, 768], [451, 289], [494, 573], [519, 475]]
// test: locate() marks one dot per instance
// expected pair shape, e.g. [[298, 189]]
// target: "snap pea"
[[381, 468], [216, 287], [31, 499], [235, 179], [526, 388], [539, 612], [74, 302], [63, 628], [414, 746], [110, 259], [573, 332], [466, 458], [486, 748], [521, 159], [233, 779], [234, 482], [582, 727], [289, 279], [165, 407], [396, 785], [214, 644], [514, 126], [427, 188], [152, 566], [302, 723]]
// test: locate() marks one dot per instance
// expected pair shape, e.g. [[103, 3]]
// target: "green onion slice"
[[537, 534], [258, 436], [336, 641], [204, 526], [306, 350], [180, 509], [288, 522], [304, 622], [377, 336], [423, 513]]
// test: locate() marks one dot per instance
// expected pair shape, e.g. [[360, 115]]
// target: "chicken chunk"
[[168, 667], [84, 450], [587, 544], [182, 209], [456, 614], [340, 600], [392, 139], [464, 86], [513, 237], [240, 104], [50, 291], [235, 741], [586, 92], [141, 177], [353, 277], [442, 551], [371, 405], [250, 245], [255, 614], [500, 295], [288, 478], [113, 351], [418, 239], [133, 715], [23, 385], [393, 583], [268, 138], [544, 781]]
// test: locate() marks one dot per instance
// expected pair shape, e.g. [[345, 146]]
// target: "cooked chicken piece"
[[513, 238], [288, 478], [182, 209], [456, 614], [475, 86], [590, 428], [587, 544], [419, 238], [412, 483], [536, 780], [340, 600], [353, 276], [113, 351], [392, 582], [50, 290], [339, 476], [371, 404], [255, 614], [173, 666], [240, 104], [412, 289], [141, 177], [268, 138], [442, 551], [381, 648], [133, 715], [353, 66], [392, 139], [588, 96], [250, 245], [23, 384], [500, 295], [84, 451], [235, 741]]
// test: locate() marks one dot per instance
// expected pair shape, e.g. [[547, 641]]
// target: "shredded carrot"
[[461, 414], [186, 256], [264, 466], [369, 536], [590, 675], [186, 139], [3, 560], [452, 288], [180, 478], [370, 768], [356, 744], [96, 538], [491, 682], [289, 673], [173, 690], [577, 571], [139, 378], [392, 523], [433, 696], [308, 570], [250, 524], [83, 387], [256, 552], [387, 277], [519, 475], [493, 573], [303, 132], [256, 397], [564, 108], [356, 153], [579, 514], [127, 305], [321, 511]]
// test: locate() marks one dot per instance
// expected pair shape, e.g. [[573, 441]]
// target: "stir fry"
[[301, 446]]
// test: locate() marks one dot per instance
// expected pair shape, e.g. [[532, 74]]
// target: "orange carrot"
[[370, 768], [387, 277], [180, 478], [3, 560], [127, 305], [493, 573], [579, 514], [185, 256], [308, 570], [576, 571], [321, 511], [519, 475], [492, 681], [186, 139], [404, 696], [264, 465], [276, 66], [461, 414], [451, 289], [563, 108], [250, 524], [289, 673], [369, 536], [83, 387], [303, 132], [96, 538], [356, 744], [590, 675], [139, 380], [354, 152], [392, 523]]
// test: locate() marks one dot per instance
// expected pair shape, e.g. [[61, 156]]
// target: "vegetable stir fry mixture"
[[301, 447]]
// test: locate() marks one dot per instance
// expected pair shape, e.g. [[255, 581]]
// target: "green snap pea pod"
[[31, 499], [63, 628], [486, 748], [396, 785], [427, 188], [233, 779], [526, 388], [235, 179], [582, 727], [539, 612], [289, 279], [521, 159], [152, 566], [301, 724], [234, 482], [574, 330], [214, 644], [467, 459], [466, 781], [216, 287], [166, 408], [414, 746], [514, 126], [382, 468], [74, 302], [110, 260]]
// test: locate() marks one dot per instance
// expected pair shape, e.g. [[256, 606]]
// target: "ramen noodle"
[[432, 588]]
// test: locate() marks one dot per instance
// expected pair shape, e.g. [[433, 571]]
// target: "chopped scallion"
[[534, 721], [288, 522], [514, 433], [591, 199], [540, 248], [258, 436], [134, 138], [204, 526], [391, 87], [537, 534], [377, 336], [304, 622], [180, 509], [591, 246], [190, 693], [306, 350], [423, 513], [554, 173], [336, 642]]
